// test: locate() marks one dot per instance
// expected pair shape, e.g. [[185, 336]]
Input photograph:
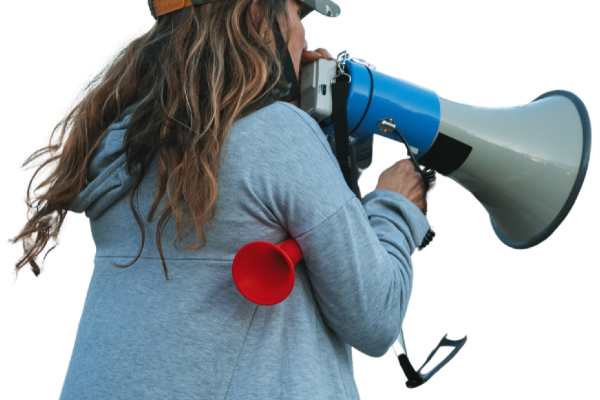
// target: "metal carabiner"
[[341, 60]]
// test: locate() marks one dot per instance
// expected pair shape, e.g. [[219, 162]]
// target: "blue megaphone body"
[[373, 95]]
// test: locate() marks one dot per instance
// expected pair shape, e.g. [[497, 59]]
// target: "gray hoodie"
[[195, 336]]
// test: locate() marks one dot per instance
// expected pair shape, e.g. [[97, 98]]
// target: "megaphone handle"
[[389, 125]]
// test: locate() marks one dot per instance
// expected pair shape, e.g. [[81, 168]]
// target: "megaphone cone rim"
[[567, 207]]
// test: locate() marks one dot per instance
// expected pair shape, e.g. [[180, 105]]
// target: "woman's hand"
[[312, 56], [403, 179], [306, 58]]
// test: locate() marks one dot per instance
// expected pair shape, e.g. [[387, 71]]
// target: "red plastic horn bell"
[[264, 272]]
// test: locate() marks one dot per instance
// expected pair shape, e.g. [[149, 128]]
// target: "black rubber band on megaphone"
[[368, 104]]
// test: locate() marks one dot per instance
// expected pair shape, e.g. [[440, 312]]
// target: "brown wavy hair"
[[195, 73]]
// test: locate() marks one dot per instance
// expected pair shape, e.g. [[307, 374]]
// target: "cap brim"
[[325, 7]]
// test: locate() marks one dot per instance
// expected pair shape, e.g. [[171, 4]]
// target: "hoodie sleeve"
[[357, 253]]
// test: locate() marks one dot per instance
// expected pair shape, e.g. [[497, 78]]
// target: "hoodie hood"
[[107, 178]]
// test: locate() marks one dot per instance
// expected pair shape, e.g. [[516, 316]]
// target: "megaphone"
[[524, 164]]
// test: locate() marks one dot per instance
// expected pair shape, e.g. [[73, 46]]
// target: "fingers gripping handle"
[[387, 126]]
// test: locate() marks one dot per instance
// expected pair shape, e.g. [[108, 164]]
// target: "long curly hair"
[[195, 73]]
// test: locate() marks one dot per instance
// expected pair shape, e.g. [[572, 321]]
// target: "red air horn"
[[264, 272]]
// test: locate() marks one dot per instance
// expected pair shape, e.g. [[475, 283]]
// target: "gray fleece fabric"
[[195, 336]]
